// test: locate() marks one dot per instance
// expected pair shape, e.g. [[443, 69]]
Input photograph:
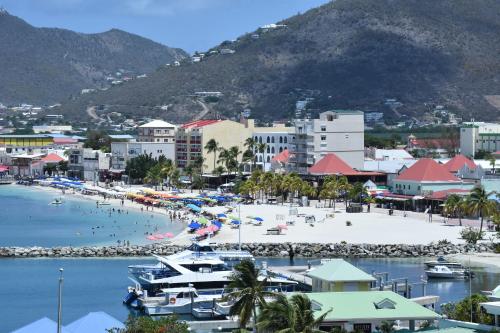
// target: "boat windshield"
[[200, 248], [206, 268]]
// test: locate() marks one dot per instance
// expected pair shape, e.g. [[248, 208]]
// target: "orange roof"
[[441, 195], [427, 170], [200, 123], [282, 157], [331, 164], [457, 162], [52, 158]]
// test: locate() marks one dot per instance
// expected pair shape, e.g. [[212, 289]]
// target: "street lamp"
[[59, 305]]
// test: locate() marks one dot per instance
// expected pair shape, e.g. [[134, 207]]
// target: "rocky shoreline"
[[307, 250]]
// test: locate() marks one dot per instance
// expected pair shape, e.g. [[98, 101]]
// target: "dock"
[[213, 325], [294, 273]]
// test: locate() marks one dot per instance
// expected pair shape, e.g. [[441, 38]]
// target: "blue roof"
[[95, 322], [44, 325]]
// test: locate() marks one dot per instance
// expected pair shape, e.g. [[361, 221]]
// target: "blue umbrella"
[[221, 215], [194, 208], [194, 225], [217, 224], [235, 222], [258, 219]]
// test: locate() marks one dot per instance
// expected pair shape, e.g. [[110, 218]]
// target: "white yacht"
[[177, 301], [441, 261], [445, 272]]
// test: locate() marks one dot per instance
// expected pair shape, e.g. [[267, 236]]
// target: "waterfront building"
[[339, 131], [25, 143], [365, 311], [387, 154], [277, 139], [391, 168], [431, 147], [193, 136], [427, 176], [88, 164], [122, 152], [476, 136], [339, 275], [157, 131]]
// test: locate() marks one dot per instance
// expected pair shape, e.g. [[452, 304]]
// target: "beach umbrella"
[[260, 219], [168, 235], [212, 228], [236, 222], [202, 220], [232, 217], [194, 208], [222, 216], [282, 226], [151, 238], [202, 231], [194, 225], [217, 223], [159, 236]]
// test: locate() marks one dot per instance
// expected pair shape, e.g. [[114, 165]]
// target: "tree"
[[480, 204], [357, 192], [261, 148], [344, 188], [492, 161], [63, 166], [330, 189], [98, 140], [290, 315], [249, 294], [387, 327], [168, 324], [455, 205], [137, 167], [190, 170], [465, 308], [154, 175], [251, 144], [212, 146]]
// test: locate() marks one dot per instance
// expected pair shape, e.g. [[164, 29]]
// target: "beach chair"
[[273, 231]]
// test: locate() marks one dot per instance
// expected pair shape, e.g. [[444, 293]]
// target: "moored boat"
[[441, 261], [444, 272]]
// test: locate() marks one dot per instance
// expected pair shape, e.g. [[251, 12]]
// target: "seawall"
[[307, 250]]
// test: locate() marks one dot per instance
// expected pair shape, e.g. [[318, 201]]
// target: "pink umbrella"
[[152, 238], [159, 236], [282, 226], [212, 228], [168, 235], [201, 232]]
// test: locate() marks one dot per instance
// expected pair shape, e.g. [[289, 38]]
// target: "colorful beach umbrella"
[[194, 225], [151, 238], [236, 222], [260, 219], [159, 236], [217, 223], [212, 228], [194, 208], [282, 226], [168, 235], [222, 216], [232, 217], [202, 220]]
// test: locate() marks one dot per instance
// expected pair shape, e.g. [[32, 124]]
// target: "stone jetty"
[[307, 250]]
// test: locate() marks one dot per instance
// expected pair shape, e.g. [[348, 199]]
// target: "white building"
[[88, 164], [157, 131], [387, 154], [277, 139], [54, 129], [340, 132], [124, 151], [476, 136]]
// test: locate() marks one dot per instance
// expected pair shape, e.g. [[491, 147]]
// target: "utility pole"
[[59, 305]]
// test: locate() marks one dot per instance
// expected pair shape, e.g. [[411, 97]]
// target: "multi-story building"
[[124, 151], [157, 131], [277, 139], [340, 132], [192, 138], [476, 136], [25, 144], [88, 164], [52, 129]]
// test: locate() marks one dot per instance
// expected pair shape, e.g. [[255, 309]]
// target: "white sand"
[[485, 259], [376, 227]]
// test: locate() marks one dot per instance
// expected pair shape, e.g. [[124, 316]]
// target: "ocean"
[[28, 218]]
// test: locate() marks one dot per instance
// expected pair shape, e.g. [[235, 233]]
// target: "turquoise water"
[[29, 286], [28, 219]]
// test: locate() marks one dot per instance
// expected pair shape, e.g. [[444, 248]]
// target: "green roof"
[[368, 305], [339, 270]]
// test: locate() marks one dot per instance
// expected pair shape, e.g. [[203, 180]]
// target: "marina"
[[101, 284]]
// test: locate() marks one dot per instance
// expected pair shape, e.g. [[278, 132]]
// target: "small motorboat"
[[444, 272], [493, 295], [203, 312], [57, 202], [441, 261], [103, 203]]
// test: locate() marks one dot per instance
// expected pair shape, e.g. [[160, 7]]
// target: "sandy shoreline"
[[485, 259]]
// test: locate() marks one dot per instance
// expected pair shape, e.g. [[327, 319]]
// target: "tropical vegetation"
[[144, 324], [468, 309]]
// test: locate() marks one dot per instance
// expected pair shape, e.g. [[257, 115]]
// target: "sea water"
[[29, 286], [27, 218]]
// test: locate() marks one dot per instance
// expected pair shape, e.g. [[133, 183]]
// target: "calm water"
[[29, 286], [27, 218]]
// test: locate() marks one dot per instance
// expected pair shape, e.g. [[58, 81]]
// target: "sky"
[[193, 25]]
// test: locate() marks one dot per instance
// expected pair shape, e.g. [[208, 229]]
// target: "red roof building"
[[52, 158], [426, 177], [331, 164], [200, 123], [457, 163], [282, 157]]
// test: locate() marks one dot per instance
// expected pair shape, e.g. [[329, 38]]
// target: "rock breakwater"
[[308, 250]]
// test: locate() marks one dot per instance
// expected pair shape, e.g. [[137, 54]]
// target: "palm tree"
[[234, 152], [154, 175], [480, 204], [167, 167], [219, 171], [290, 315], [492, 161], [212, 146], [330, 190], [249, 292], [451, 205], [190, 170], [251, 144], [261, 148], [344, 187], [248, 156], [387, 327], [357, 192]]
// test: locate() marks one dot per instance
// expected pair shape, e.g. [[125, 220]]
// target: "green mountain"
[[45, 65], [345, 54]]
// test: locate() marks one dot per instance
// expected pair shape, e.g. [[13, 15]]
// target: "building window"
[[272, 139], [268, 150], [323, 138], [329, 117], [272, 150], [286, 139], [281, 139], [268, 140], [260, 140], [268, 159], [323, 128], [281, 149]]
